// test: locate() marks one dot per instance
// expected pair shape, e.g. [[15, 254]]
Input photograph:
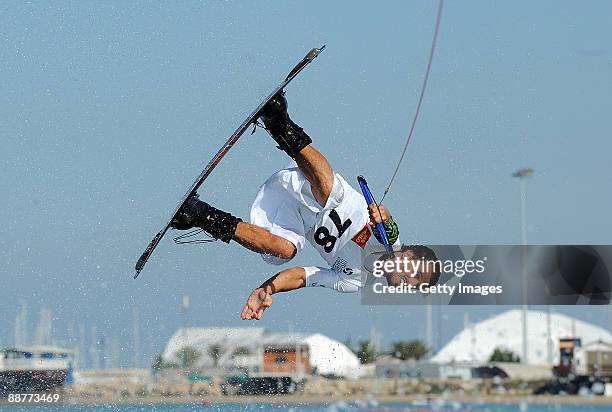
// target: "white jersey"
[[339, 231]]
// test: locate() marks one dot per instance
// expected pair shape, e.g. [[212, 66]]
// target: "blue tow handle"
[[370, 201]]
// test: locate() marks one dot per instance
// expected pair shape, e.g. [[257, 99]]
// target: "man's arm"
[[261, 297], [383, 216]]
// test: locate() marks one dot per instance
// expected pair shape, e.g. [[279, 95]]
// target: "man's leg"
[[261, 241], [296, 143], [225, 227]]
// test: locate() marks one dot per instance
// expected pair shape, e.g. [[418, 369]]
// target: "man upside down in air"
[[307, 201]]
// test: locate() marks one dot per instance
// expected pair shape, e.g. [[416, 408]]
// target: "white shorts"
[[329, 278], [286, 207]]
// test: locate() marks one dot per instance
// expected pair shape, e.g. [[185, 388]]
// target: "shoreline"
[[318, 400]]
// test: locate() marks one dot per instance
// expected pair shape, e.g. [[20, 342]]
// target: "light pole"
[[184, 309], [429, 327], [522, 174]]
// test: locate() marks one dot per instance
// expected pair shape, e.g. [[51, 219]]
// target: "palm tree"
[[158, 363], [242, 351], [215, 352], [188, 356], [366, 352], [504, 355], [414, 349]]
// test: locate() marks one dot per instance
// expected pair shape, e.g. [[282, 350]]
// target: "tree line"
[[188, 356]]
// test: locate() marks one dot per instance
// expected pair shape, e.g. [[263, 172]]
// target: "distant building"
[[395, 369], [114, 376], [594, 358], [34, 368], [476, 343], [390, 368], [261, 353]]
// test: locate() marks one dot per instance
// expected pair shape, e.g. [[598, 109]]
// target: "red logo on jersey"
[[362, 237]]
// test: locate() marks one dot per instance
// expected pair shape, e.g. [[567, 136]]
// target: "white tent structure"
[[203, 339], [331, 357], [476, 343], [327, 355]]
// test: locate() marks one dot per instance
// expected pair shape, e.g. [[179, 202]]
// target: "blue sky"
[[109, 111]]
